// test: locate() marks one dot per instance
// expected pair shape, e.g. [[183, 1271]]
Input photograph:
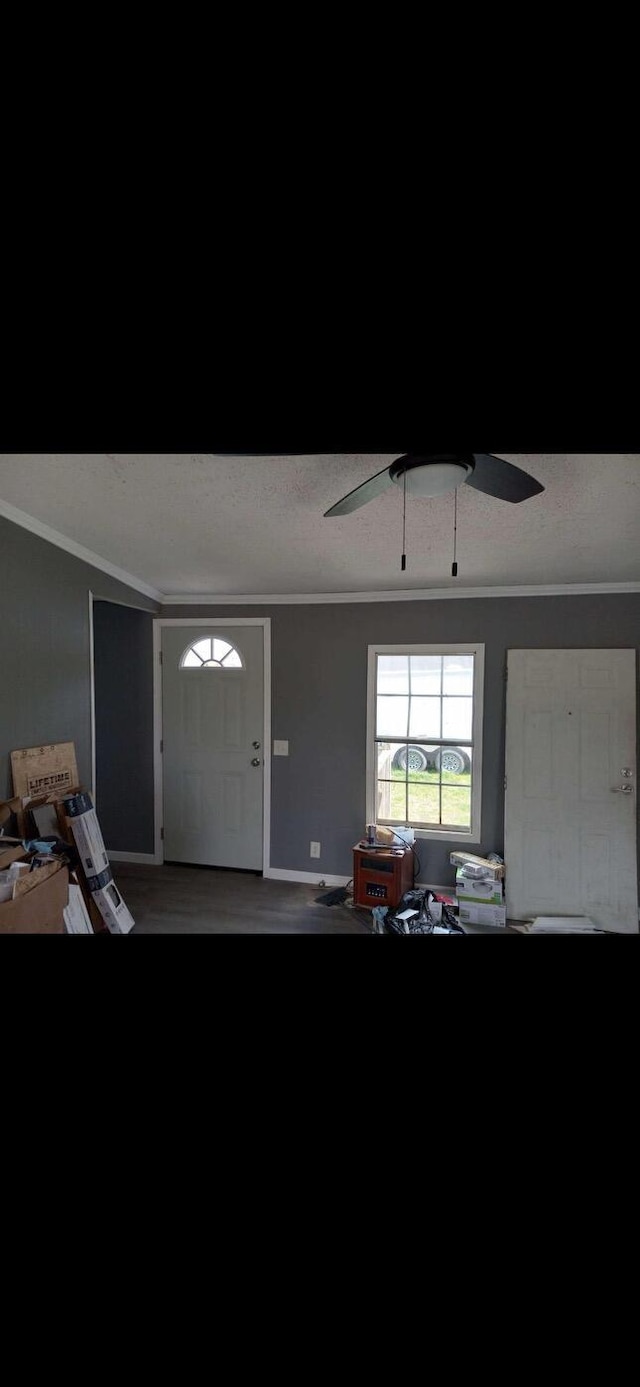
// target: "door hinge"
[[505, 783], [162, 832], [160, 657], [161, 745]]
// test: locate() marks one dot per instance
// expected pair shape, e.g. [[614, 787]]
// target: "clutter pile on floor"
[[419, 912], [478, 902], [55, 874], [381, 861]]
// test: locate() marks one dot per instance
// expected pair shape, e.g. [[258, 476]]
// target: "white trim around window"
[[444, 835]]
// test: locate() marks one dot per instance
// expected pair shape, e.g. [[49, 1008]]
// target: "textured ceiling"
[[200, 523]]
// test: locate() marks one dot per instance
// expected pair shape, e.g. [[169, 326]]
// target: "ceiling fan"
[[433, 474]]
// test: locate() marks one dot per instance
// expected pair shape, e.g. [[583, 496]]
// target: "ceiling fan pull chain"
[[404, 525], [454, 566]]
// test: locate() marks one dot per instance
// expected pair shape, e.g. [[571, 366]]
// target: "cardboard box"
[[484, 892], [40, 770], [46, 814], [36, 816], [10, 821], [13, 853], [472, 913], [495, 870], [8, 807], [87, 834], [39, 910]]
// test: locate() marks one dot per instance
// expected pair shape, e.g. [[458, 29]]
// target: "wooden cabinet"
[[381, 878]]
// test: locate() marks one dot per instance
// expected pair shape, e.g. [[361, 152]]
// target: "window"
[[424, 739], [211, 653]]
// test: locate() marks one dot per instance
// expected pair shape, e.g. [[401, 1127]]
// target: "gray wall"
[[45, 680], [319, 687], [320, 700], [123, 656]]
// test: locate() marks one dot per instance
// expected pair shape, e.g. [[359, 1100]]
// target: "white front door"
[[571, 791], [213, 758]]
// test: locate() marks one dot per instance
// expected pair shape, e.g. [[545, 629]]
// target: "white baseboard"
[[314, 878], [277, 873], [149, 859], [309, 878]]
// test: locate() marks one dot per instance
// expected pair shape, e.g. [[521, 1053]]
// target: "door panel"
[[570, 837], [213, 795]]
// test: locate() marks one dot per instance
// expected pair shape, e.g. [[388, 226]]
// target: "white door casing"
[[571, 786], [213, 776]]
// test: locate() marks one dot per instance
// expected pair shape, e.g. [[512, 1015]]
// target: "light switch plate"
[[281, 748]]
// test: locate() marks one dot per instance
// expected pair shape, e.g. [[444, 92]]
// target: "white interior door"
[[571, 792], [213, 757]]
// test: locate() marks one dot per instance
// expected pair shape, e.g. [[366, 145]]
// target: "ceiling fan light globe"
[[434, 478]]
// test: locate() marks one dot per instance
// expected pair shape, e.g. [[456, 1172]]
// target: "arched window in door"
[[211, 653]]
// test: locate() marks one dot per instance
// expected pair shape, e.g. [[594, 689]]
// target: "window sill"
[[436, 835]]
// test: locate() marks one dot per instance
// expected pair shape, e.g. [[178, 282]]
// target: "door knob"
[[255, 761], [622, 789], [256, 746]]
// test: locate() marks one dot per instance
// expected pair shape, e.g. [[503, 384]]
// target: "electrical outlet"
[[314, 850]]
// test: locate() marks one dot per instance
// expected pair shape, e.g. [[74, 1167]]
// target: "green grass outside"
[[433, 777], [424, 798]]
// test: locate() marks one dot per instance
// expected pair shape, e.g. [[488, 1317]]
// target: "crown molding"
[[413, 595], [37, 527]]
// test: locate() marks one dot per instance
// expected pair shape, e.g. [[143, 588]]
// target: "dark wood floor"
[[201, 900]]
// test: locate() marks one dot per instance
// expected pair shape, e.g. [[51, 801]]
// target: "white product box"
[[483, 891], [564, 924], [473, 913], [76, 916], [111, 905], [87, 835], [495, 870]]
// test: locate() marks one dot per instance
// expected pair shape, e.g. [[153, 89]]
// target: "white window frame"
[[442, 835]]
